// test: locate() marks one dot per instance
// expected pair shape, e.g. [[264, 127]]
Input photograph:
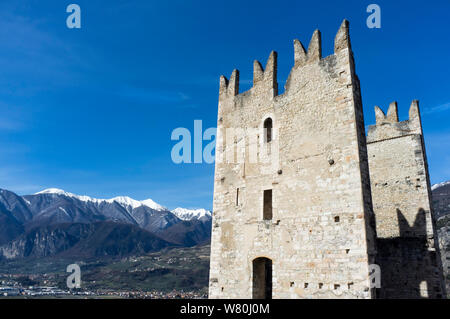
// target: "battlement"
[[265, 80], [388, 126]]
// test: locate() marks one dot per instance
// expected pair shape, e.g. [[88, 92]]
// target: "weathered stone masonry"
[[408, 252], [300, 226]]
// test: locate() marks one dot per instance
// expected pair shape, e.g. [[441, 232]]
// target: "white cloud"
[[437, 109], [150, 95], [9, 125]]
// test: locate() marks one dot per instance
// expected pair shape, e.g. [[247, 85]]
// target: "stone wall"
[[441, 207], [408, 252]]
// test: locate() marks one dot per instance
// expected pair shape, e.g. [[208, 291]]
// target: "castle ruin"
[[304, 203]]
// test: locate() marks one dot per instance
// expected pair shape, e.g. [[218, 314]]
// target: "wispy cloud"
[[437, 109], [16, 179], [151, 95], [12, 118], [9, 125], [34, 59]]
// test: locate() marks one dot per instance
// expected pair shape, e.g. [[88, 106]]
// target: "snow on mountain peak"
[[439, 185], [58, 191], [123, 200], [182, 213], [188, 214], [53, 191], [150, 203]]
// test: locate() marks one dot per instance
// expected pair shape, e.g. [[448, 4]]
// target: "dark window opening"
[[237, 196], [262, 278], [267, 212], [268, 130]]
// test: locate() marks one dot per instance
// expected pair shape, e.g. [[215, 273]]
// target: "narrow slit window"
[[267, 212], [237, 196], [268, 130]]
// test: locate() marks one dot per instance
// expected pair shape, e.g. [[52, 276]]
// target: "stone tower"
[[408, 251], [292, 201]]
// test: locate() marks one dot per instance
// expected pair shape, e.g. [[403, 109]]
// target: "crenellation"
[[415, 122], [380, 117], [342, 39], [265, 80], [223, 86], [258, 72], [315, 48], [229, 88], [389, 127], [392, 113], [233, 84], [300, 57]]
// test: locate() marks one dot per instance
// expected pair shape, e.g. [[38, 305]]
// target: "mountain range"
[[58, 223], [441, 199], [441, 206], [54, 222]]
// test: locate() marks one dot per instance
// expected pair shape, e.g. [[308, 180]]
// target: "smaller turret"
[[388, 126]]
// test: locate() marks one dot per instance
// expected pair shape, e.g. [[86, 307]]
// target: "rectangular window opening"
[[267, 212]]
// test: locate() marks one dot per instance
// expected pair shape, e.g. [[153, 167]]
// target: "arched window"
[[262, 278], [268, 130]]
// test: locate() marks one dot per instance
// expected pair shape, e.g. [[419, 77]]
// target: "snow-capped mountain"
[[441, 206], [435, 186], [189, 214], [441, 199], [146, 213], [53, 206], [123, 200], [56, 208]]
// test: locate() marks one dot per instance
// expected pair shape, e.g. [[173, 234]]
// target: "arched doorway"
[[262, 278]]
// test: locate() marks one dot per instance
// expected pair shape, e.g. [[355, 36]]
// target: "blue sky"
[[91, 110]]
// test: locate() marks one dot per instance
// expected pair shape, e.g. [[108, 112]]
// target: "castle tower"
[[292, 202], [408, 251]]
